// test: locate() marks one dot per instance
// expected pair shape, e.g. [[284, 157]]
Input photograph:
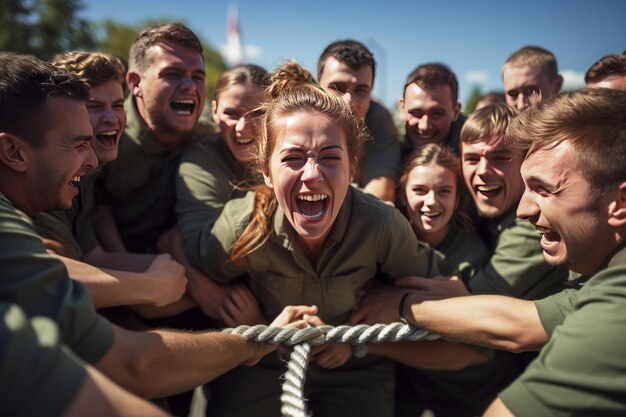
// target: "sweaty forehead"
[[438, 95], [487, 146], [517, 77], [336, 71]]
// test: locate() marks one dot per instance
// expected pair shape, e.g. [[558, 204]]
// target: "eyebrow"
[[299, 149]]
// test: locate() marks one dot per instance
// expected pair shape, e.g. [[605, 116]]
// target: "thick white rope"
[[293, 401]]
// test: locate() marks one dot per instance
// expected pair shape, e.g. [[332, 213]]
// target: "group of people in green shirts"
[[299, 206]]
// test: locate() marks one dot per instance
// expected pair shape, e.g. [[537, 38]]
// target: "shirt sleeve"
[[552, 310], [39, 284], [40, 377], [582, 370]]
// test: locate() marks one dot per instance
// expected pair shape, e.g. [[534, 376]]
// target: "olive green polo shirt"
[[582, 370], [464, 254], [517, 267], [139, 185], [54, 228], [39, 284], [40, 376], [368, 237], [382, 155], [208, 176]]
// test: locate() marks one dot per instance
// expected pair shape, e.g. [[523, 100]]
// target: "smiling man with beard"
[[166, 79]]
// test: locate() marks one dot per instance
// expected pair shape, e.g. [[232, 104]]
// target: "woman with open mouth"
[[308, 237]]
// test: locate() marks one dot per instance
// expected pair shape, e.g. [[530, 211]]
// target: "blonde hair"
[[241, 75], [292, 90], [487, 122], [534, 56], [93, 68], [592, 121], [444, 157]]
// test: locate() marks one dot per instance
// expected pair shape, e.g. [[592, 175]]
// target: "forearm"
[[178, 307], [437, 354], [135, 262], [163, 362], [99, 396], [489, 320], [382, 187]]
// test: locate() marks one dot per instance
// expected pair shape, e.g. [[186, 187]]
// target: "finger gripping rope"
[[293, 401]]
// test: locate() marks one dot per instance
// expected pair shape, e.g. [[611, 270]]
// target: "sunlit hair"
[[592, 121], [444, 157], [94, 68], [26, 83], [606, 66], [431, 75], [350, 52], [487, 122], [292, 90], [534, 56], [490, 98], [169, 33], [242, 75]]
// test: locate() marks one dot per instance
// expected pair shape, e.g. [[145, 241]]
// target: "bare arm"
[[100, 397], [209, 295], [494, 321], [162, 284], [163, 362], [126, 261], [382, 187], [107, 232]]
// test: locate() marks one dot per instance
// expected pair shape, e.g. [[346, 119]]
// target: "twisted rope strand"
[[293, 401]]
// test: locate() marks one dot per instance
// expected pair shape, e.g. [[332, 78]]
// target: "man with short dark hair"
[[430, 108], [608, 72], [40, 166], [349, 67], [530, 71], [166, 79]]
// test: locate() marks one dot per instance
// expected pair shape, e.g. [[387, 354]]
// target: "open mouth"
[[312, 206], [108, 139], [184, 107], [431, 214], [488, 190], [74, 181], [243, 141]]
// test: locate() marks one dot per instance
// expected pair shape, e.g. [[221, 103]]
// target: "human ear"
[[457, 111], [214, 112], [133, 79], [401, 105], [12, 152], [353, 167], [267, 179], [617, 208]]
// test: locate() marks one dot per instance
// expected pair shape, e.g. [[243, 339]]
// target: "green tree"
[[472, 100], [43, 27]]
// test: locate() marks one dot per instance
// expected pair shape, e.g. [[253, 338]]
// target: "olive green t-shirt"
[[208, 176], [368, 237], [464, 254], [382, 155], [552, 310], [40, 285], [517, 267], [582, 369], [40, 376], [139, 185]]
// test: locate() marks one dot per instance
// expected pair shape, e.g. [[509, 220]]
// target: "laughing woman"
[[307, 237]]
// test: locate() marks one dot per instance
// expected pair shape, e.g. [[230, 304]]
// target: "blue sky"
[[473, 38]]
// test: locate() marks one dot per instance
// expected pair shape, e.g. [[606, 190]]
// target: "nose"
[[522, 102], [311, 171], [483, 167], [241, 124], [108, 115], [187, 84], [91, 160], [424, 123], [527, 208], [430, 198]]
